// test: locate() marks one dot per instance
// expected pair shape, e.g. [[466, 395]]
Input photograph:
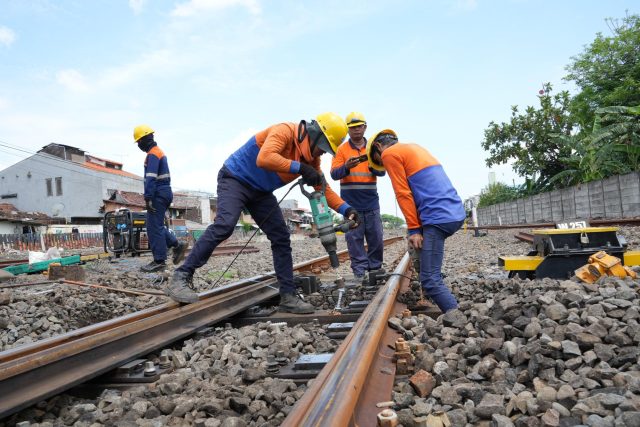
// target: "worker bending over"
[[269, 160], [358, 188], [430, 205], [157, 198]]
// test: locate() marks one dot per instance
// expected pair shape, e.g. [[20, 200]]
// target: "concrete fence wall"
[[614, 197]]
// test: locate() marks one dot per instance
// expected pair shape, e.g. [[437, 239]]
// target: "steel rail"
[[525, 237], [593, 222], [42, 369], [27, 377], [337, 397]]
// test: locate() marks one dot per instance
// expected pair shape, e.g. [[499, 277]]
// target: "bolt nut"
[[165, 361], [387, 418]]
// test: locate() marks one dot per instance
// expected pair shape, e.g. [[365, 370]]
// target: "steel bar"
[[525, 237], [9, 263], [20, 285], [334, 396], [110, 289], [592, 222]]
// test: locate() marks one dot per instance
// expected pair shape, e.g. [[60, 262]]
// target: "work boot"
[[365, 278], [292, 303], [180, 288], [153, 266], [178, 252]]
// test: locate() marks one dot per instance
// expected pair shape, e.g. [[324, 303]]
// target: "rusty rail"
[[361, 372], [36, 371], [592, 222], [525, 237]]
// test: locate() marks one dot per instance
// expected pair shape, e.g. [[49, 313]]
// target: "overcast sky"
[[207, 74]]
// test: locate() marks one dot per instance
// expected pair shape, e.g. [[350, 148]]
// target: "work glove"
[[352, 214], [310, 175], [149, 205]]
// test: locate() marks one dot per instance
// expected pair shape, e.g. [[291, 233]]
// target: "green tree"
[[607, 73], [612, 148], [530, 139], [393, 221], [497, 193]]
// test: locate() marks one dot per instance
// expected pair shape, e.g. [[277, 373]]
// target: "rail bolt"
[[165, 361], [280, 358], [272, 366], [387, 418], [149, 369], [401, 345]]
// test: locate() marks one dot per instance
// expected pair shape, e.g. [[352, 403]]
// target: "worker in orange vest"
[[429, 202], [358, 188]]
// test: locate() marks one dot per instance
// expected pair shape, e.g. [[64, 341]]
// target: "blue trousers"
[[370, 227], [159, 236], [431, 258], [233, 196]]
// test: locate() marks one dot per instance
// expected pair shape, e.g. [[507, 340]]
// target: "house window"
[[49, 187], [59, 186]]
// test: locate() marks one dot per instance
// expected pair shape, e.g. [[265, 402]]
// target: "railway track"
[[592, 222], [524, 237], [361, 372], [42, 369]]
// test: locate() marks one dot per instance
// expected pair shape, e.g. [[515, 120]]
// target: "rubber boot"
[[291, 303], [180, 288]]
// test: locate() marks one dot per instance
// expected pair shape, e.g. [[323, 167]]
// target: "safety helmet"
[[370, 142], [334, 129], [355, 118], [140, 131]]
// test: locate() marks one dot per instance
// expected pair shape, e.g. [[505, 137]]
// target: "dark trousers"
[[370, 227], [159, 236], [233, 196], [431, 258]]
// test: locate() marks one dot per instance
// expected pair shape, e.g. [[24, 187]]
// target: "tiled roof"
[[110, 170], [127, 198], [9, 212]]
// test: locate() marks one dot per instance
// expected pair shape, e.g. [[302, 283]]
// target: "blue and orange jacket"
[[156, 173], [357, 185], [271, 159], [424, 192]]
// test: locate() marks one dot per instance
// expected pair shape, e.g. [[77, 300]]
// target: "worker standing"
[[157, 198], [269, 160], [429, 202], [358, 188]]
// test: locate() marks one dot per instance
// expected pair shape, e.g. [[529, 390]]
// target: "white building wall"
[[83, 189], [9, 228]]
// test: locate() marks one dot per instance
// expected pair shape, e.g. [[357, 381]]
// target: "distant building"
[[13, 221], [65, 182], [195, 207], [205, 204]]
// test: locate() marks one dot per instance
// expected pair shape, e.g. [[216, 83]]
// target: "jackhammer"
[[324, 223]]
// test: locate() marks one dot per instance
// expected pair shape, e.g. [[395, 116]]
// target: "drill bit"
[[338, 304], [339, 279]]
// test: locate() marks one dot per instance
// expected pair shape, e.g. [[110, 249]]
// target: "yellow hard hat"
[[140, 131], [334, 128], [370, 142], [355, 118]]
